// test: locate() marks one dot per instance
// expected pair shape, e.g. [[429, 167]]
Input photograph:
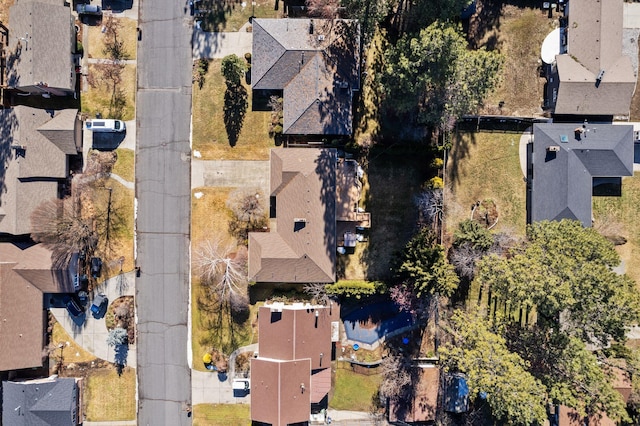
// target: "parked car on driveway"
[[99, 305], [73, 307], [89, 9], [96, 267]]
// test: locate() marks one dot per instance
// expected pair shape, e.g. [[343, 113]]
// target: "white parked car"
[[105, 125]]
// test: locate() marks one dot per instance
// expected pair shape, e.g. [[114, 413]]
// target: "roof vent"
[[599, 78], [553, 148], [321, 37]]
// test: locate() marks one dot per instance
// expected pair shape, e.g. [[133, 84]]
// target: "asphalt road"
[[162, 226]]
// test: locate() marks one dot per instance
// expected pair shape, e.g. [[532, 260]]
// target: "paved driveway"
[[92, 334], [230, 173], [220, 44]]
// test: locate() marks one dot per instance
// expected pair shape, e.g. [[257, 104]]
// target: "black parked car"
[[73, 307], [96, 267]]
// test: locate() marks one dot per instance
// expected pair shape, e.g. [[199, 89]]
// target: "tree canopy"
[[565, 269], [435, 74], [423, 266], [515, 396], [232, 69]]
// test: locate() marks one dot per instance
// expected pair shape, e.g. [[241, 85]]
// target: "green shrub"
[[355, 288], [437, 163]]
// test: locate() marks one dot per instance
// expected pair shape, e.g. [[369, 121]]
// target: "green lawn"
[[221, 415], [622, 213], [109, 397], [486, 166], [354, 391], [209, 133]]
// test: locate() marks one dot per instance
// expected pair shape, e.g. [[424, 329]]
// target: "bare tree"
[[430, 205], [326, 9], [249, 214], [396, 377], [318, 292], [222, 267], [61, 228], [113, 47], [464, 258]]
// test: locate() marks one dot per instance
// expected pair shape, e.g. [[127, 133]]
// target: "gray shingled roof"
[[44, 402], [315, 63], [561, 186], [594, 43], [45, 54], [30, 178], [303, 182]]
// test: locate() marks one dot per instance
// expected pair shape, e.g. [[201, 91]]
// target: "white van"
[[105, 125]]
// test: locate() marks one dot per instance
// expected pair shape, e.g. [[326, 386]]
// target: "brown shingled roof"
[[22, 315], [303, 247], [294, 349], [315, 62]]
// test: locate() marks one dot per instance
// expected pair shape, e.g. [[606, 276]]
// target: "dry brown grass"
[[221, 415], [486, 166], [97, 99], [120, 244], [72, 352], [125, 166], [209, 134], [127, 34], [4, 10], [209, 214], [518, 37], [109, 397]]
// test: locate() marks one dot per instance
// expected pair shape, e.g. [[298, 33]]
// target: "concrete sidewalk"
[[91, 335]]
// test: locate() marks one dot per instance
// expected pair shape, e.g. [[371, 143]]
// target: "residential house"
[[54, 401], [569, 162], [292, 373], [314, 65], [314, 199], [591, 75], [36, 148], [41, 56], [26, 276]]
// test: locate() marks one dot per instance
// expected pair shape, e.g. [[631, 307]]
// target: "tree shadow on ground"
[[235, 109]]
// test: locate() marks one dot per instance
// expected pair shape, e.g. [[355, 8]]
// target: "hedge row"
[[355, 288]]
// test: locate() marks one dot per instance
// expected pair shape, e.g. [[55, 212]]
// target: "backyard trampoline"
[[372, 322]]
